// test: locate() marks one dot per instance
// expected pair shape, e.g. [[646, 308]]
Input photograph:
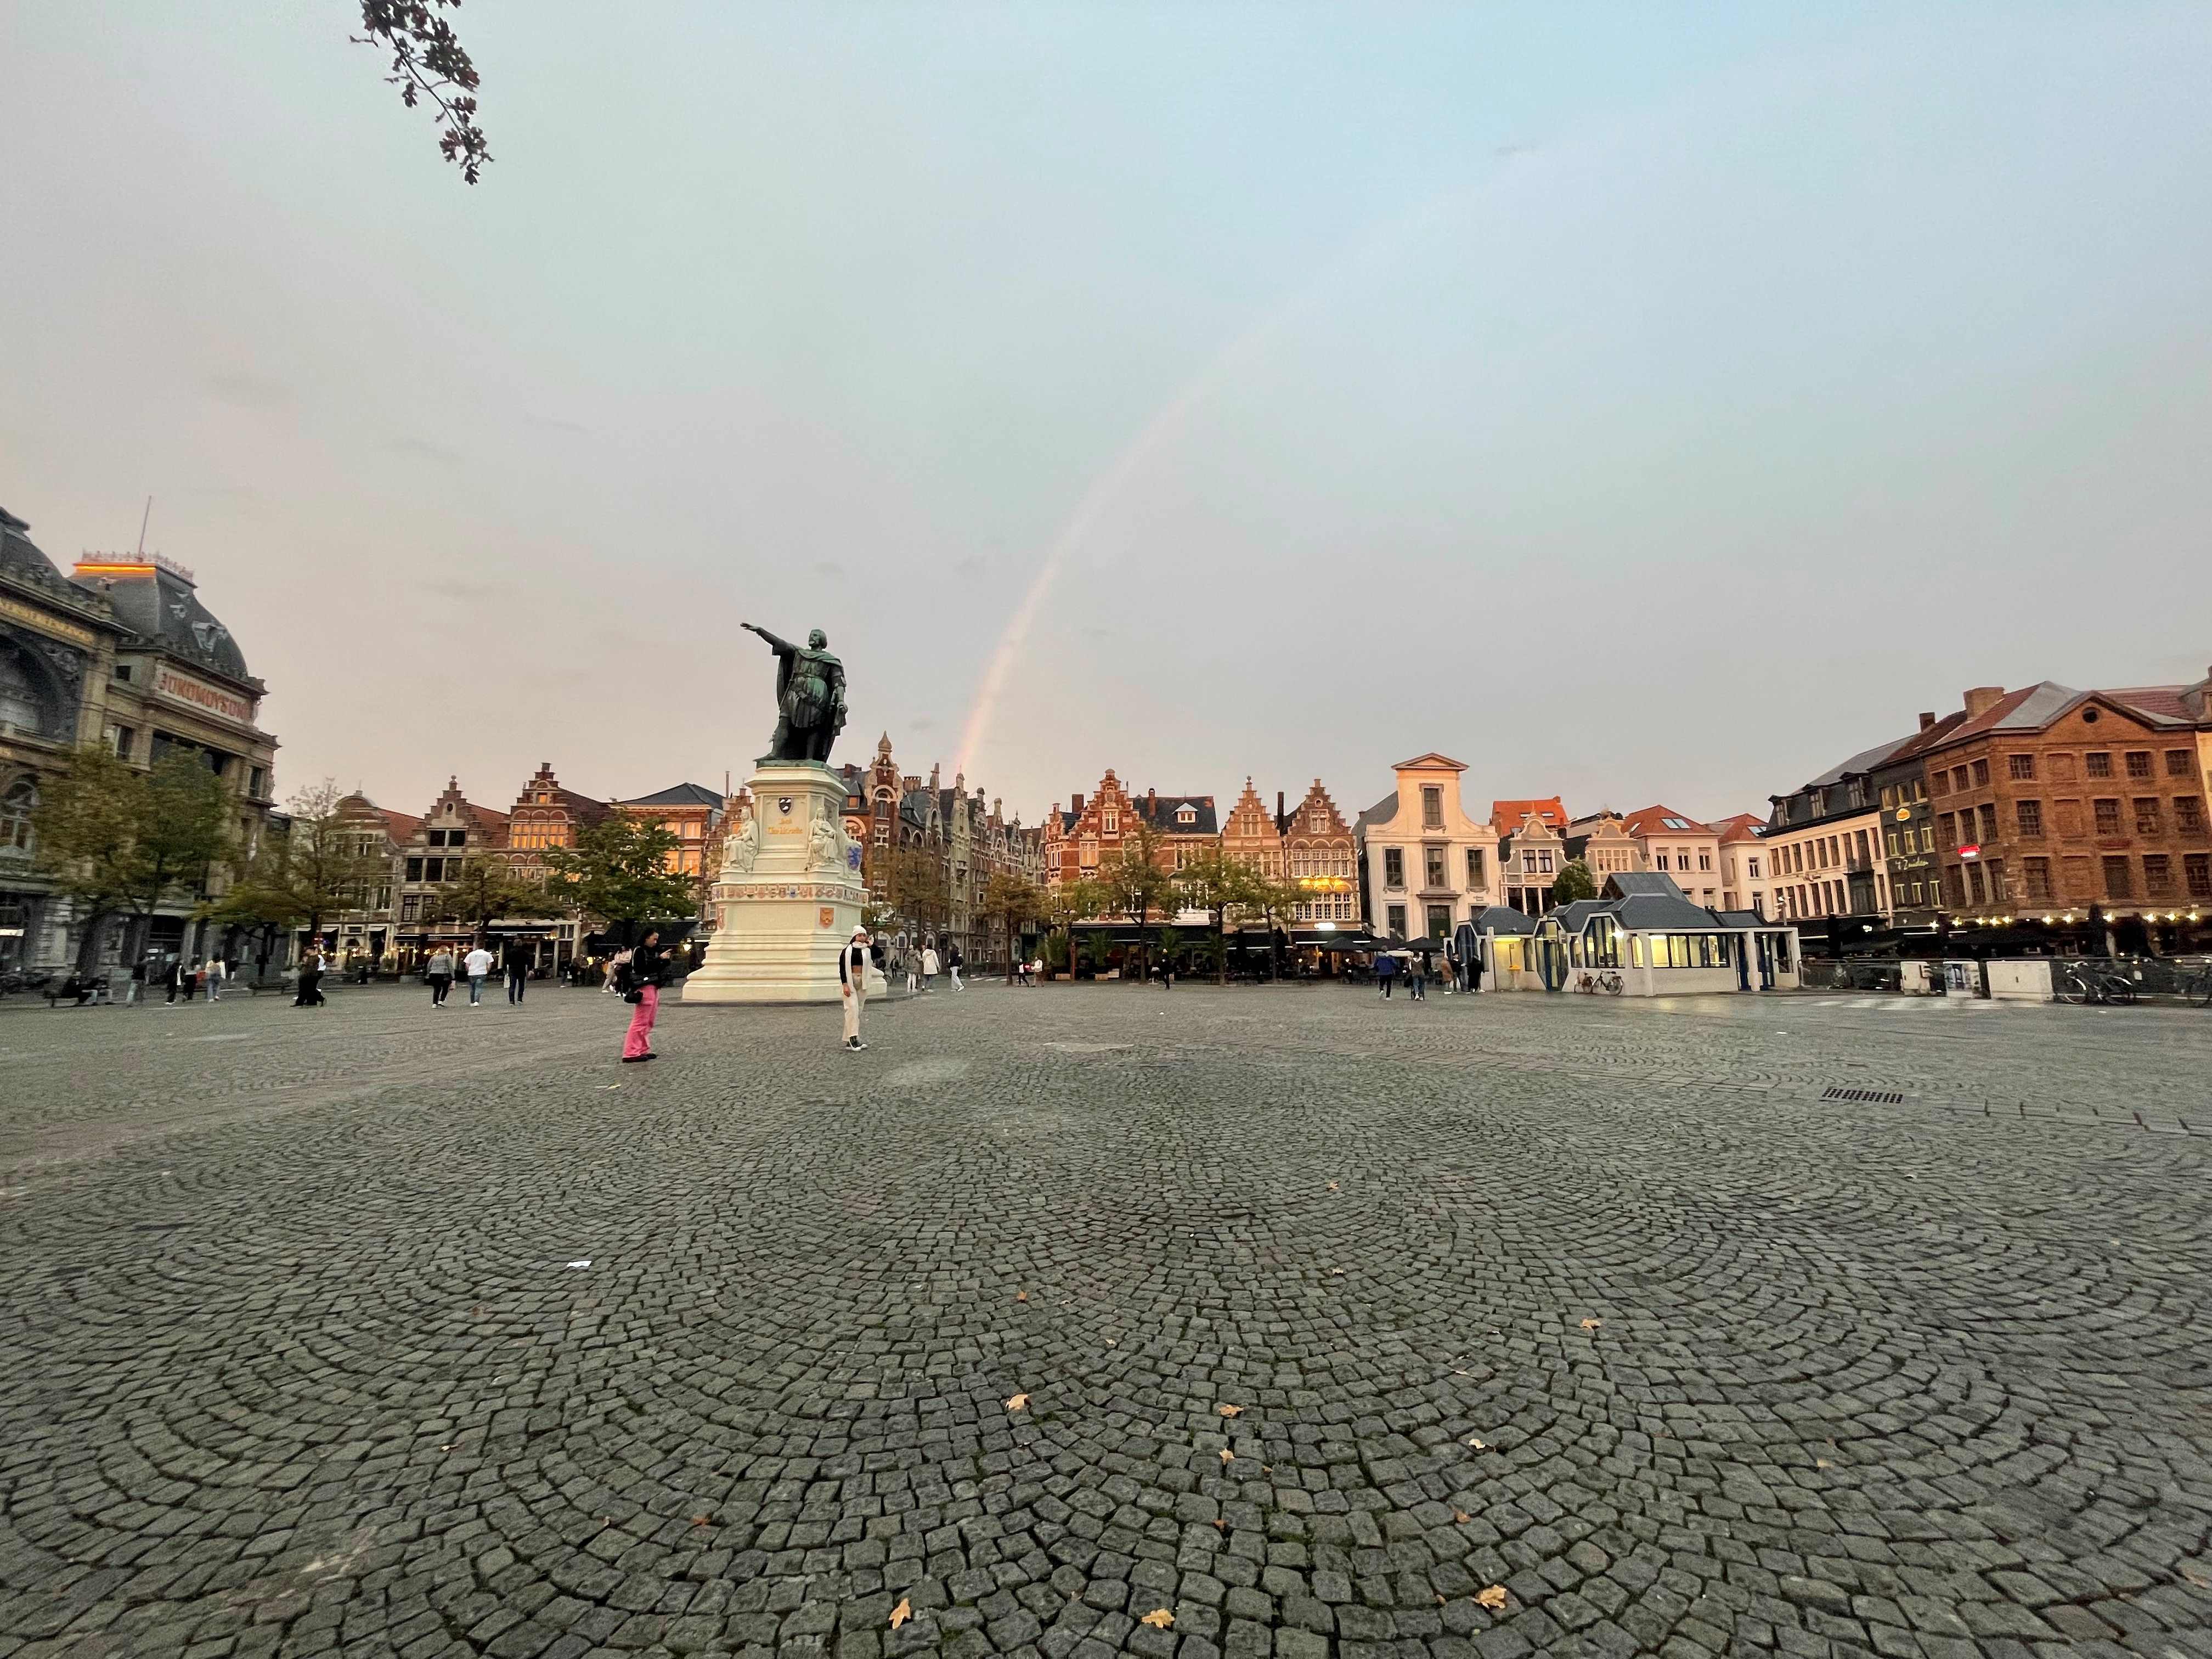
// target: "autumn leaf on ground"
[[1332, 1187], [1018, 1402], [1592, 1324], [1231, 1411], [1227, 1455], [702, 1519], [1493, 1598], [1822, 1463], [901, 1613], [1336, 1273], [1158, 1618], [1476, 1444], [1219, 1525], [1461, 1517], [1022, 1297]]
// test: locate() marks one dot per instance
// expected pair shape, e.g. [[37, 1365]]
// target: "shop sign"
[[45, 623], [179, 687]]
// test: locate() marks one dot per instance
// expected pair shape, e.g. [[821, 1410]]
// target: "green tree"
[[1010, 901], [1274, 901], [1218, 884], [1064, 906], [260, 898], [332, 862], [918, 887], [618, 872], [1573, 882], [487, 888], [1137, 880], [119, 840]]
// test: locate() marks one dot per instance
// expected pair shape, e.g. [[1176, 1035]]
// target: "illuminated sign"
[[1974, 852]]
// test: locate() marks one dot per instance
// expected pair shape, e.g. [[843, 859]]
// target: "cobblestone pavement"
[[1065, 1321]]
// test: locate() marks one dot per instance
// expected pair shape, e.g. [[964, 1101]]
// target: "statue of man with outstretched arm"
[[810, 691]]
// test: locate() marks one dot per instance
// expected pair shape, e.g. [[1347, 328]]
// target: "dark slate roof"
[[1865, 760], [1382, 812], [1653, 911], [162, 607], [1747, 919], [682, 794], [1640, 883], [1159, 810], [1572, 916], [20, 559], [1503, 918]]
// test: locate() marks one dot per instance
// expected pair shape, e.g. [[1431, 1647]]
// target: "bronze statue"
[[810, 690]]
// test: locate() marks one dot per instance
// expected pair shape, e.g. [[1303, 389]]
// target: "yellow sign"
[[1903, 813], [45, 623]]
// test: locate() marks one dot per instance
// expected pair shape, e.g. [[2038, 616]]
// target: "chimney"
[[1981, 699], [1075, 805], [1927, 718], [1279, 807], [1153, 799]]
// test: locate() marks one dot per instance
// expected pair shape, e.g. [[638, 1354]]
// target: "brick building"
[[1321, 855], [1252, 835], [2079, 808]]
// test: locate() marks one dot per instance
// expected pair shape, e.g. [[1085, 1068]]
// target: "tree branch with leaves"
[[429, 62]]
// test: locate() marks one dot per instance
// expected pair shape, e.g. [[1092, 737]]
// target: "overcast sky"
[[1636, 404]]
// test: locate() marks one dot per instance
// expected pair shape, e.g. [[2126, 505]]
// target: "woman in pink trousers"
[[647, 968]]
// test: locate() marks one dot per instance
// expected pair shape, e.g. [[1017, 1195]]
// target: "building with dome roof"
[[122, 652]]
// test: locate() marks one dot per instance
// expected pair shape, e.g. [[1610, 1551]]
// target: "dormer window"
[[1188, 815]]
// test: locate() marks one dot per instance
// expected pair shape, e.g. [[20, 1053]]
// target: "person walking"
[[477, 964], [953, 962], [1386, 975], [1424, 965], [440, 974], [137, 982], [214, 979], [518, 975], [1475, 970], [171, 971], [647, 968], [310, 994], [929, 968], [853, 985], [913, 962]]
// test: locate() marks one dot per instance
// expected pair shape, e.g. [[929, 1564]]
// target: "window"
[[1439, 921], [434, 869], [1981, 774], [1949, 825], [1955, 880], [1937, 779], [1544, 862], [2138, 763], [2097, 765], [1394, 873], [2036, 873], [1659, 860], [410, 907], [257, 783], [2147, 816], [2116, 879], [460, 838], [1475, 877], [1187, 815], [1958, 780], [436, 838], [1675, 824], [2158, 875], [1111, 822], [2189, 815], [2108, 817], [1989, 823], [2178, 763], [1432, 807], [2196, 871], [15, 809], [2029, 816], [2020, 766], [1996, 868], [1751, 865], [1892, 844], [127, 739], [1705, 860], [1396, 923], [414, 869], [1432, 868]]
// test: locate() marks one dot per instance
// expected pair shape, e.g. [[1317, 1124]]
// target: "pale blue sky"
[[1633, 404]]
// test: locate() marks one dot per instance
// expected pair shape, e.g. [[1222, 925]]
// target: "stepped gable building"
[[1253, 834], [1425, 866], [1602, 843], [546, 815], [1089, 830], [448, 832], [1321, 855], [123, 652]]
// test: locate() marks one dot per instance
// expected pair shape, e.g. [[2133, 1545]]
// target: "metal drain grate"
[[1865, 1096]]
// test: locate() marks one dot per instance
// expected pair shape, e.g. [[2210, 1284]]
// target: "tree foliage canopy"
[[118, 840], [1573, 882], [429, 61], [618, 872]]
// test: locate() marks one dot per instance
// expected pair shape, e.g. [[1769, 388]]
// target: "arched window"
[[23, 703], [16, 818]]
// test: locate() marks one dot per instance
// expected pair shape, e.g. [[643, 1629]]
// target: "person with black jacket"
[[853, 984], [648, 971]]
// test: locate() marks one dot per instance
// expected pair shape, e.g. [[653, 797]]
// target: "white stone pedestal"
[[789, 895]]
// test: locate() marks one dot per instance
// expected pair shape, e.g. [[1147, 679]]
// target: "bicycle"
[[2077, 986], [1592, 983], [2197, 988]]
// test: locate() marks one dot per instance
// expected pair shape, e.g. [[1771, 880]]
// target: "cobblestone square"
[[1267, 1324]]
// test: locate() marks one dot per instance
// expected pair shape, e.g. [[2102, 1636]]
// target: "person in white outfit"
[[853, 984], [478, 964], [214, 978], [929, 967]]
